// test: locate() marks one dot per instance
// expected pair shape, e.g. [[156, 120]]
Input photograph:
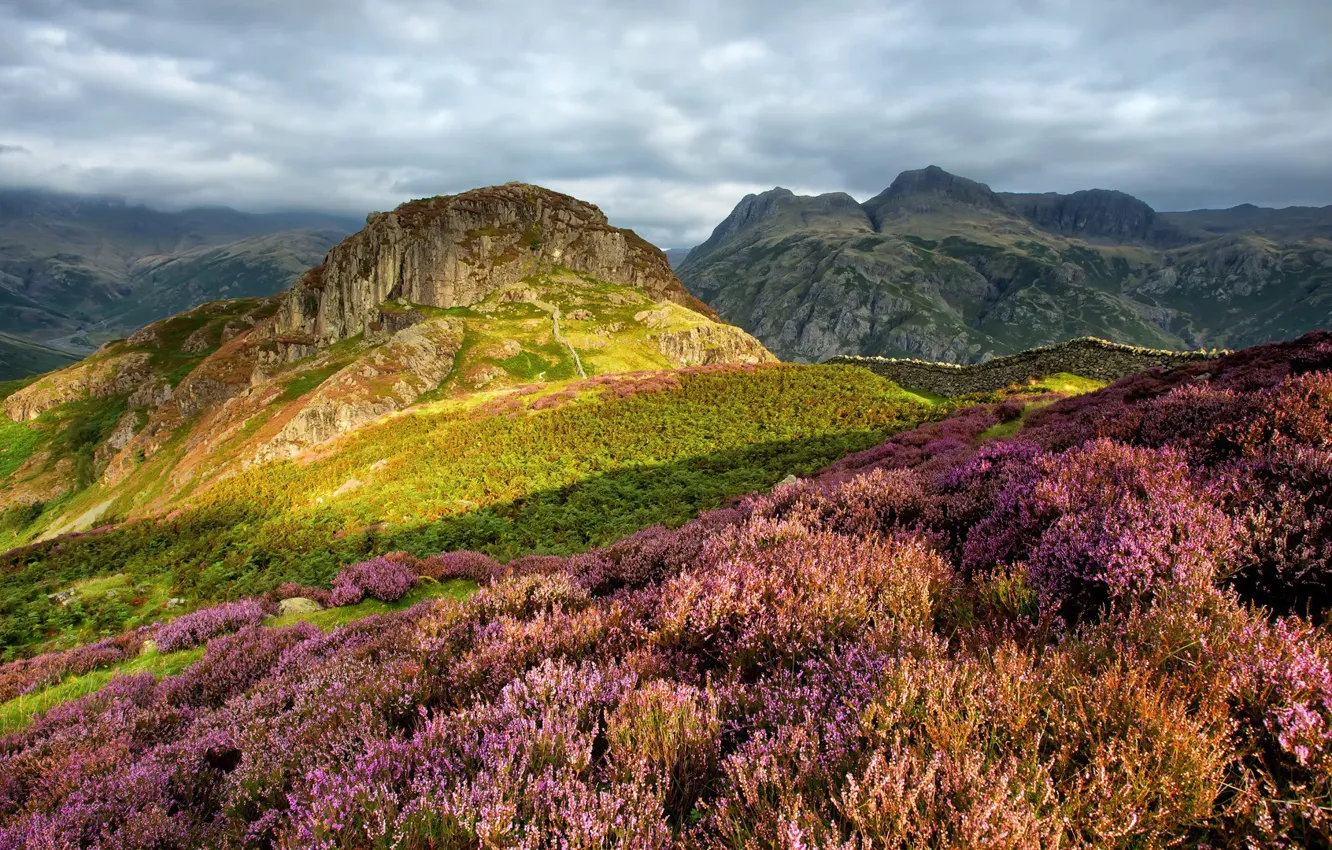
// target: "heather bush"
[[775, 591], [28, 674], [196, 628], [232, 663], [469, 565], [1106, 522], [386, 579]]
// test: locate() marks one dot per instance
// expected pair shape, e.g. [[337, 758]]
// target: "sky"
[[665, 114]]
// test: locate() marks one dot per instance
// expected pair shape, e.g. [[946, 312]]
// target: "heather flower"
[[196, 628], [383, 578], [469, 565]]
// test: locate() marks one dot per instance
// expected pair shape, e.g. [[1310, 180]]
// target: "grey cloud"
[[664, 114], [13, 149]]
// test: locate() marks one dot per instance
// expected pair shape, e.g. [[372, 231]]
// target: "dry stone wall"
[[1088, 356]]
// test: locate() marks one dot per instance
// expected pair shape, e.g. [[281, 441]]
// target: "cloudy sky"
[[663, 113]]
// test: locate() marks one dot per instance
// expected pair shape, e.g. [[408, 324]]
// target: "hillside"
[[500, 295], [71, 263], [943, 268], [1091, 622], [20, 358]]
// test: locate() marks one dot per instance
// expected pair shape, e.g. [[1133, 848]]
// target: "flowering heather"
[[197, 627], [28, 674], [385, 579], [1105, 631]]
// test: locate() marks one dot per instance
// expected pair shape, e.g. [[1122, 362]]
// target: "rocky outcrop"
[[121, 374], [455, 251], [927, 190], [1088, 357], [386, 379], [711, 343], [1097, 214]]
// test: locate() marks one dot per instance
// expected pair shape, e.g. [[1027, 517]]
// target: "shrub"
[[196, 628], [386, 579]]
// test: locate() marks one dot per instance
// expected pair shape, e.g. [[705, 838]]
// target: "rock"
[[653, 318], [116, 375], [298, 605], [457, 250], [581, 315], [705, 344], [175, 602]]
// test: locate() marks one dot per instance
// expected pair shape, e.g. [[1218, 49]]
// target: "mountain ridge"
[[71, 263], [942, 267]]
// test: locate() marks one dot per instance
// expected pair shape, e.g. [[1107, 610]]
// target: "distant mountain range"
[[942, 267], [76, 269]]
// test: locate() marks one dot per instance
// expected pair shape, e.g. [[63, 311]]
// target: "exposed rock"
[[457, 250], [927, 190], [120, 436], [197, 342], [712, 343], [297, 605], [151, 394], [1092, 213], [580, 316], [386, 379], [653, 318], [95, 378]]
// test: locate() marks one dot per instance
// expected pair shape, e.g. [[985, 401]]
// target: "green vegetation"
[[1063, 383], [506, 481], [330, 618], [22, 710]]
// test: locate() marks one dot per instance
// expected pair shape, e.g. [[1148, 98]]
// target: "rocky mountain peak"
[[456, 250], [928, 189], [1090, 213]]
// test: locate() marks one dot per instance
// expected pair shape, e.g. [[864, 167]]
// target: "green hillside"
[[556, 469]]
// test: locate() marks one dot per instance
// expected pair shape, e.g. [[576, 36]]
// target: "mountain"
[[72, 263], [944, 268], [464, 299], [19, 358], [676, 256]]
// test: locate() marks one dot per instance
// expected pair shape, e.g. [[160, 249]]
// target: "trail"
[[554, 310]]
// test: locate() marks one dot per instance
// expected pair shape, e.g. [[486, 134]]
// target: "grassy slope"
[[20, 711], [451, 476]]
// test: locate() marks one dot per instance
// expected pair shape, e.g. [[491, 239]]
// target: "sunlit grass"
[[23, 710]]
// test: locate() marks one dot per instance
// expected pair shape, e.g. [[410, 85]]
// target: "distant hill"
[[19, 358], [942, 267], [70, 262], [676, 256]]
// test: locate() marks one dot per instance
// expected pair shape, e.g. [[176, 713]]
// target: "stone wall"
[[1087, 356]]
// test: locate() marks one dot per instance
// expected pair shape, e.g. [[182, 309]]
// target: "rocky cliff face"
[[1089, 214], [941, 267], [457, 250]]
